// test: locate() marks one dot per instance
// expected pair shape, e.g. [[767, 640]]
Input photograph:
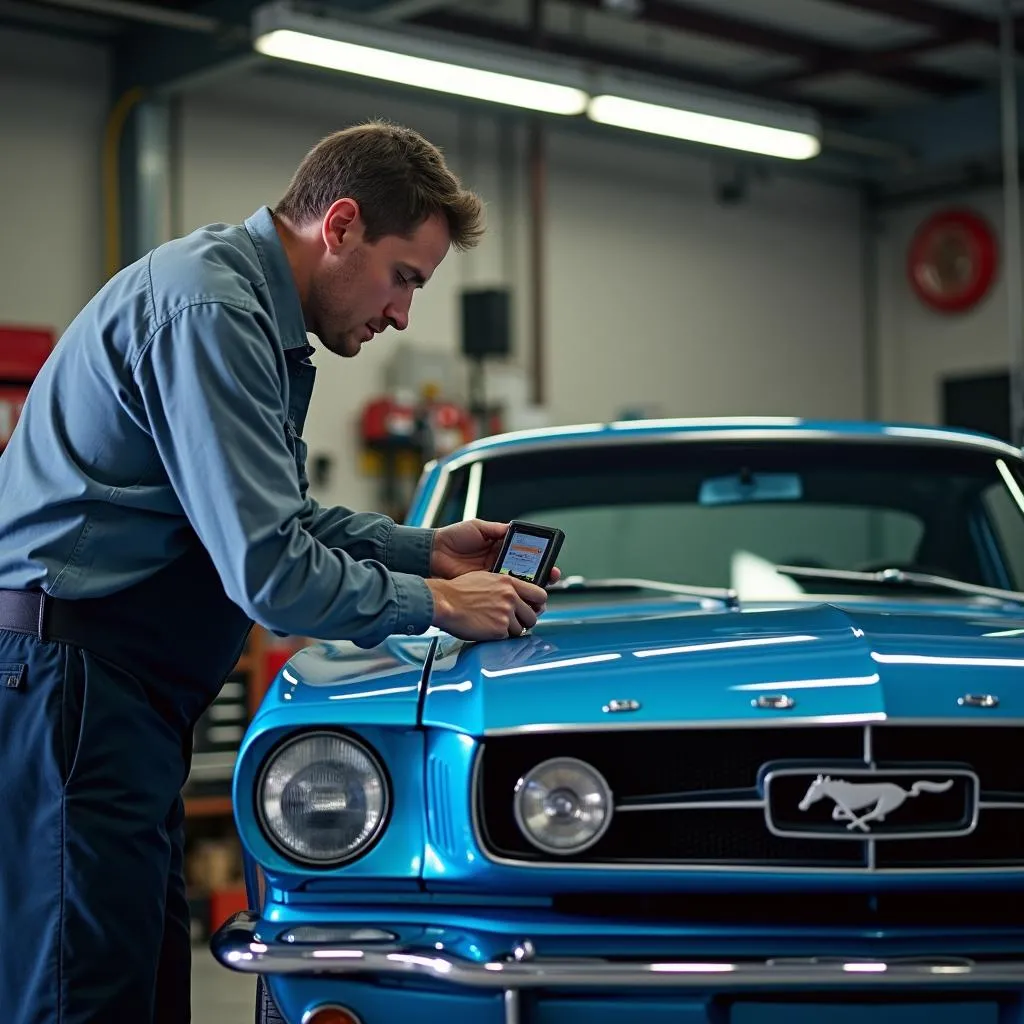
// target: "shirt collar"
[[280, 281]]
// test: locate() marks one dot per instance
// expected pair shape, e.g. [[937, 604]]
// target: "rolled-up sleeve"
[[210, 383]]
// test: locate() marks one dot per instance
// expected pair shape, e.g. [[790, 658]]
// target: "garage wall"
[[658, 297], [919, 347], [52, 107], [703, 308]]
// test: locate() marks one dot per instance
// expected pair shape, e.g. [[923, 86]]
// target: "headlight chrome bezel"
[[268, 834], [603, 785]]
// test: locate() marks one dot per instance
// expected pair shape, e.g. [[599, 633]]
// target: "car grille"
[[959, 910], [718, 777]]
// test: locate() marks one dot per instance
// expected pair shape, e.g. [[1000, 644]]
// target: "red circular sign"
[[952, 260]]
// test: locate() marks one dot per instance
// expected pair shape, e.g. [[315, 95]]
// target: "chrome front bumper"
[[239, 945]]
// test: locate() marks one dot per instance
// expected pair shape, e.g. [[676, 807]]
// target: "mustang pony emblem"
[[850, 797]]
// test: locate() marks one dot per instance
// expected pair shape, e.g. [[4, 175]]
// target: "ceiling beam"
[[886, 63], [722, 28], [947, 133], [952, 25], [215, 41], [917, 12], [59, 22], [812, 51], [573, 47]]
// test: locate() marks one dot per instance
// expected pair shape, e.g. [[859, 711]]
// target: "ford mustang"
[[759, 762]]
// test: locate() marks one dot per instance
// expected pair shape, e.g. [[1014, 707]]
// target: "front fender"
[[372, 696]]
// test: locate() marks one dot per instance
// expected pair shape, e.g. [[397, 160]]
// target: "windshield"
[[724, 514]]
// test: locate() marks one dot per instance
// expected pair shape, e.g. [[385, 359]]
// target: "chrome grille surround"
[[994, 843]]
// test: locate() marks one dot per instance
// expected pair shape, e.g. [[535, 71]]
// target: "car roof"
[[735, 427]]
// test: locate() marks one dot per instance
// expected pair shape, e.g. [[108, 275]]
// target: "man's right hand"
[[486, 605]]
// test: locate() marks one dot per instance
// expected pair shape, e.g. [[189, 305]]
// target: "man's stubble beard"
[[343, 282]]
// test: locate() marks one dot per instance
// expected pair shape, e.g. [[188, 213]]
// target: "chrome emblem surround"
[[862, 797], [619, 706]]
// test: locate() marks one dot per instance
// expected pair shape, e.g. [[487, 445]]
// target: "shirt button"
[[410, 630]]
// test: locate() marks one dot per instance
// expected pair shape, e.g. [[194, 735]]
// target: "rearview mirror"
[[741, 488]]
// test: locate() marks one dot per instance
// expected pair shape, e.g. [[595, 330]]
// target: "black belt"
[[37, 614]]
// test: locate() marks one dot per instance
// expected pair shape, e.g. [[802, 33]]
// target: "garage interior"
[[626, 273]]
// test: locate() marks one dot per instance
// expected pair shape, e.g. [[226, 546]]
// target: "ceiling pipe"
[[149, 13]]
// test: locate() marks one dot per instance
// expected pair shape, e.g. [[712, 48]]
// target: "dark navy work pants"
[[94, 923], [98, 701]]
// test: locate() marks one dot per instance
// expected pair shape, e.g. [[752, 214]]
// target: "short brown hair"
[[398, 178]]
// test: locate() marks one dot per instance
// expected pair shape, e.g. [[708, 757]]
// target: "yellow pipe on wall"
[[112, 134]]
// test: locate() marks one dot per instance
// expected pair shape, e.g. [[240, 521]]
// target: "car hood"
[[334, 682], [833, 662]]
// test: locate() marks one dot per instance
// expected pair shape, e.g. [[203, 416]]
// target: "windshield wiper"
[[894, 577], [581, 583]]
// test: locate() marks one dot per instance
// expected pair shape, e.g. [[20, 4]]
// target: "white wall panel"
[[53, 97]]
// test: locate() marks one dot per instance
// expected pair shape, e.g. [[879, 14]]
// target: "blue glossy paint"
[[484, 934], [426, 705], [706, 667]]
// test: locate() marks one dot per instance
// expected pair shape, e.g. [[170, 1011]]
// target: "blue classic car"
[[759, 763]]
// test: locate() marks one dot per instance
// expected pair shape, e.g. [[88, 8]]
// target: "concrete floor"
[[220, 996]]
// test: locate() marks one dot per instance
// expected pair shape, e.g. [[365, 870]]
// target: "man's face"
[[359, 288]]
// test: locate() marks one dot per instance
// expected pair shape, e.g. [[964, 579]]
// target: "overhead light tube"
[[419, 61], [447, 63], [712, 119], [690, 126]]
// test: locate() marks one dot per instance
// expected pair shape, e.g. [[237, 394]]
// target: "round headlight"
[[563, 805], [322, 798]]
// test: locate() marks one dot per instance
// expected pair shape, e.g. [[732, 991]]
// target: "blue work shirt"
[[176, 400]]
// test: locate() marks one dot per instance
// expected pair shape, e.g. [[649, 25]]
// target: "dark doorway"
[[978, 403]]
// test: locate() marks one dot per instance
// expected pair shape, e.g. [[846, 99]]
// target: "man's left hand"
[[469, 546]]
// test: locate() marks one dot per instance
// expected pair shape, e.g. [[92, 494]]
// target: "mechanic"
[[154, 507]]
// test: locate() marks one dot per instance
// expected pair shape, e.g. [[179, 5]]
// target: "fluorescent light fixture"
[[514, 76], [423, 60], [621, 112], [711, 119]]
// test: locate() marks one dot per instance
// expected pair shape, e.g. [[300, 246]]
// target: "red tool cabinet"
[[23, 350]]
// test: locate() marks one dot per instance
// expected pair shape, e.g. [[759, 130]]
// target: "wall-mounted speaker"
[[486, 327]]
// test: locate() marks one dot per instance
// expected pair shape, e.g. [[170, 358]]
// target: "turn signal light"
[[330, 1015]]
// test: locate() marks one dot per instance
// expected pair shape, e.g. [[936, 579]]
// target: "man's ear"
[[341, 224]]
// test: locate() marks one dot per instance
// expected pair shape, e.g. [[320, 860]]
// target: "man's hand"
[[466, 547], [486, 606], [470, 546]]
